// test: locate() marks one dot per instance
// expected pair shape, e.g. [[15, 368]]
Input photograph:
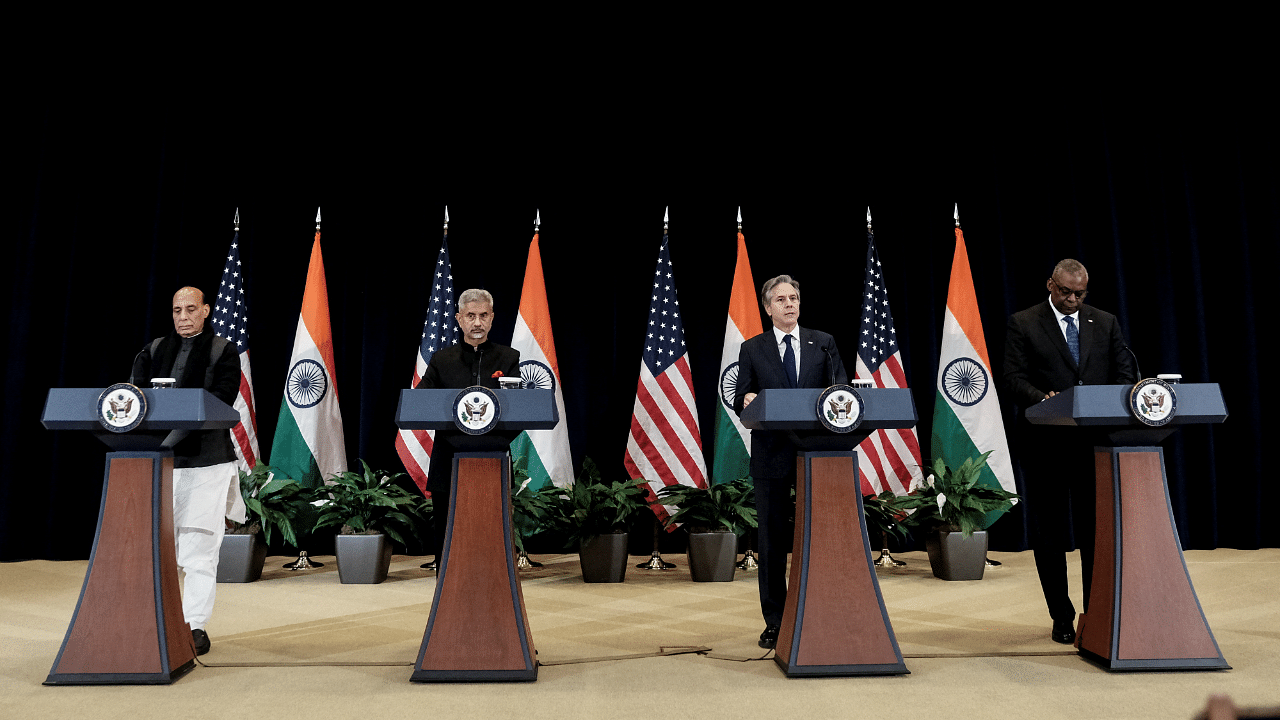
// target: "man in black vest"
[[206, 484], [785, 356], [475, 361], [1051, 347]]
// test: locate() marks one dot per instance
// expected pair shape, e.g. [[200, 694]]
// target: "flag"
[[966, 411], [309, 445], [733, 441], [664, 446], [547, 451], [438, 331], [890, 458], [231, 321]]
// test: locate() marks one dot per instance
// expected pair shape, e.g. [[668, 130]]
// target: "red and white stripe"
[[245, 433], [664, 446], [414, 446], [888, 456]]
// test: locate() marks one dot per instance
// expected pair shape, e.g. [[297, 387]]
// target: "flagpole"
[[748, 561], [523, 561], [655, 561], [303, 562]]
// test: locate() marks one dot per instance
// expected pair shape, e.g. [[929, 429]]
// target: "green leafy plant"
[[884, 513], [592, 507], [369, 502], [954, 500], [531, 510], [727, 506], [273, 502]]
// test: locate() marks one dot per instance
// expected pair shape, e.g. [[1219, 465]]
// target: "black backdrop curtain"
[[1176, 220]]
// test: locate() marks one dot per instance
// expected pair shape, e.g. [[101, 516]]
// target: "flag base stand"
[[524, 563], [993, 563], [303, 562], [748, 562], [888, 561], [655, 562]]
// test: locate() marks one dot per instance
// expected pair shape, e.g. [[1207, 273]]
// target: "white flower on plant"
[[942, 500]]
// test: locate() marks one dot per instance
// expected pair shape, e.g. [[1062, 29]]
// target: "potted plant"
[[369, 507], [531, 510], [956, 505], [715, 516], [594, 514], [273, 503]]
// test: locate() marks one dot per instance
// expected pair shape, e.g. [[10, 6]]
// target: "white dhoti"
[[202, 497]]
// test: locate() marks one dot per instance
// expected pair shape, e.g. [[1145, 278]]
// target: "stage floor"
[[302, 644]]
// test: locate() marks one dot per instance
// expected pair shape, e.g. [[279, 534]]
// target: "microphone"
[[831, 363], [1135, 361]]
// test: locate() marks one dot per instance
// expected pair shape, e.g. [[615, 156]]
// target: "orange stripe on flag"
[[315, 311], [534, 308], [742, 298], [963, 303]]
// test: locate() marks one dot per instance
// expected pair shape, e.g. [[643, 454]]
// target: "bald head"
[[189, 311]]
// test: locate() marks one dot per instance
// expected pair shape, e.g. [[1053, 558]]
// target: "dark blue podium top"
[[530, 409], [168, 409], [1104, 409], [783, 409]]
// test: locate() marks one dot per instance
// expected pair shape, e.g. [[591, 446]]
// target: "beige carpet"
[[302, 644]]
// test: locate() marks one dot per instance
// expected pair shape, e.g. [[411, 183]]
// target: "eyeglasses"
[[1067, 292]]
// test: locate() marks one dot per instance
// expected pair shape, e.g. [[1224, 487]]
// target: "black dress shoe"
[[769, 638], [201, 639], [1064, 631]]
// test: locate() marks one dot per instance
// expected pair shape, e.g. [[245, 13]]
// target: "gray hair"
[[1070, 267], [771, 283], [475, 295]]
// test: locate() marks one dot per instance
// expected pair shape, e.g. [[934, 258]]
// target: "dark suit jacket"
[[760, 368], [1037, 361]]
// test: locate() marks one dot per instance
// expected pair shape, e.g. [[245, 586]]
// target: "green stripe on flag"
[[289, 452], [523, 446], [952, 443], [732, 460]]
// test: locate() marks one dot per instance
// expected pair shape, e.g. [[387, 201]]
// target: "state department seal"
[[121, 407], [1153, 402], [476, 410], [840, 409]]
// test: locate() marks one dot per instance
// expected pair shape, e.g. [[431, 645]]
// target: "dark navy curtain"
[[1177, 222]]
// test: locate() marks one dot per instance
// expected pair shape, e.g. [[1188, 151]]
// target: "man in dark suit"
[[1049, 348], [475, 361], [786, 356]]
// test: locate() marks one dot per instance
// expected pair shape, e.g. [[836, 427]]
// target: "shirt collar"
[[778, 334], [1075, 315]]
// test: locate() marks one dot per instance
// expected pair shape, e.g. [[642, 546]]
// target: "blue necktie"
[[789, 360], [1073, 338]]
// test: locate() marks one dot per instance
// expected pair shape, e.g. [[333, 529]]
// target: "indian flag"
[[309, 446], [966, 412], [547, 451], [733, 441]]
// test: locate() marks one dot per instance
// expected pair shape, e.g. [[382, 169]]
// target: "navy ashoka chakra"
[[965, 382], [729, 385], [307, 384], [537, 375]]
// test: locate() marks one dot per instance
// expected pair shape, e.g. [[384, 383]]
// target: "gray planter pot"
[[711, 556], [241, 557], [956, 557], [604, 558], [363, 559]]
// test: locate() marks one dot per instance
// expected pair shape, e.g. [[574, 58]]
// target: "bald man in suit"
[[1049, 348], [784, 356]]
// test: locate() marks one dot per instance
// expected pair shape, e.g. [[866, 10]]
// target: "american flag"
[[665, 445], [438, 331], [231, 321], [890, 458]]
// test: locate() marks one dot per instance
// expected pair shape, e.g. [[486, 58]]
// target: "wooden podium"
[[478, 630], [1143, 610], [127, 628], [834, 621]]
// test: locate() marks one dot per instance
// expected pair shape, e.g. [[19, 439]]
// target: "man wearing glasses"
[[1049, 348]]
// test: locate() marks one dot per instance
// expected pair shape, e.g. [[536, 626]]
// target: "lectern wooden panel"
[[1143, 611], [834, 621], [128, 627], [478, 630]]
